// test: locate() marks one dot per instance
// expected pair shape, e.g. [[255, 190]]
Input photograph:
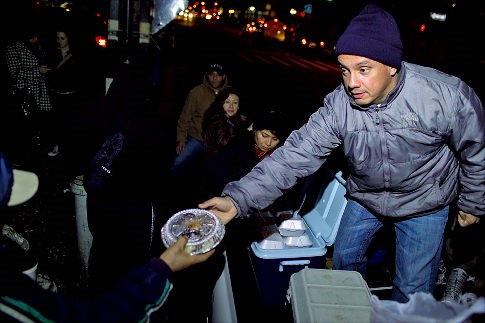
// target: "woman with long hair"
[[223, 120]]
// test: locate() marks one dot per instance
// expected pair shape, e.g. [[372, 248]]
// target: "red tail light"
[[102, 41]]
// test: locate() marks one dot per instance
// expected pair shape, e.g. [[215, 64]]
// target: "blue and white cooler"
[[300, 241]]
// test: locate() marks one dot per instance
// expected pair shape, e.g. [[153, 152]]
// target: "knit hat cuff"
[[371, 48]]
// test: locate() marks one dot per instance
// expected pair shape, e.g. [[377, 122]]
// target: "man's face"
[[215, 79], [366, 80]]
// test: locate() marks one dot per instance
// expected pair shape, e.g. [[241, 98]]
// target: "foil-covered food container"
[[203, 229]]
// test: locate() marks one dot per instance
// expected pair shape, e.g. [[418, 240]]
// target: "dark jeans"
[[418, 247]]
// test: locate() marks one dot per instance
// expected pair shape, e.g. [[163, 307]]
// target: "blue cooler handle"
[[340, 179], [293, 263]]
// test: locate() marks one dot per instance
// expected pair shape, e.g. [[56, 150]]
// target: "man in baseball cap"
[[216, 68]]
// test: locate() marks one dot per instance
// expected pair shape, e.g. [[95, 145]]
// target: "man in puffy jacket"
[[414, 141]]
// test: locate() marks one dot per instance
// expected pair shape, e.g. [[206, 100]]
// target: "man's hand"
[[466, 219], [222, 207], [177, 258], [180, 147]]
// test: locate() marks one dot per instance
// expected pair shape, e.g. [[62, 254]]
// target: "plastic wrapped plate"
[[203, 229]]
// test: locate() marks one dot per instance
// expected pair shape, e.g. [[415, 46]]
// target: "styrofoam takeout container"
[[274, 241], [292, 227], [203, 229], [300, 241]]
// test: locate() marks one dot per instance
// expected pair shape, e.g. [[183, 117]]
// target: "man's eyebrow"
[[364, 62]]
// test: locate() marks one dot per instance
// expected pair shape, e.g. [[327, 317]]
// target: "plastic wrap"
[[203, 229]]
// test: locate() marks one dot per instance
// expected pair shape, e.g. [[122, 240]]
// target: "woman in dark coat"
[[244, 151], [65, 81], [223, 121]]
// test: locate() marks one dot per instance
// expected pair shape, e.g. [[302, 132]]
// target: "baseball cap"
[[216, 68]]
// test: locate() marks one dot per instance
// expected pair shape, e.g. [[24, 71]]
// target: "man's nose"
[[353, 81]]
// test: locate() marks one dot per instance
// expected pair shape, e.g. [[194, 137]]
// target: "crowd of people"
[[413, 139], [47, 78]]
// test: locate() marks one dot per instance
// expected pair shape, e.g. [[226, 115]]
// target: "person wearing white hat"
[[25, 185], [138, 298], [16, 187]]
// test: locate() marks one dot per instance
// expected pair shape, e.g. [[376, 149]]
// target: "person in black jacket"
[[65, 81], [268, 131], [244, 151], [139, 297], [125, 214]]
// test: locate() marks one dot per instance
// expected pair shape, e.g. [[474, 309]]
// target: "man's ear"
[[392, 71]]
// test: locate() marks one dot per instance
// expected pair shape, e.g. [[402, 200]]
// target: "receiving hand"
[[222, 207], [466, 219], [177, 258]]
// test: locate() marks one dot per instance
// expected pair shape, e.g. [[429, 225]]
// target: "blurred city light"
[[438, 16]]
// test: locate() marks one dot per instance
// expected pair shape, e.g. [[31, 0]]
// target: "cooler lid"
[[324, 218]]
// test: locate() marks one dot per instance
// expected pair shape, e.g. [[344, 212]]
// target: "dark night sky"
[[453, 47]]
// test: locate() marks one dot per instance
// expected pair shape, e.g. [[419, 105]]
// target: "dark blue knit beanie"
[[374, 34]]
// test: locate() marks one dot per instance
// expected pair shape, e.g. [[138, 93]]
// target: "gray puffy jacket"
[[409, 156]]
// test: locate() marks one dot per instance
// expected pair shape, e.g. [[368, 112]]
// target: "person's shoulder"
[[197, 89], [13, 44], [243, 120], [216, 119], [437, 77], [338, 95], [244, 139]]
